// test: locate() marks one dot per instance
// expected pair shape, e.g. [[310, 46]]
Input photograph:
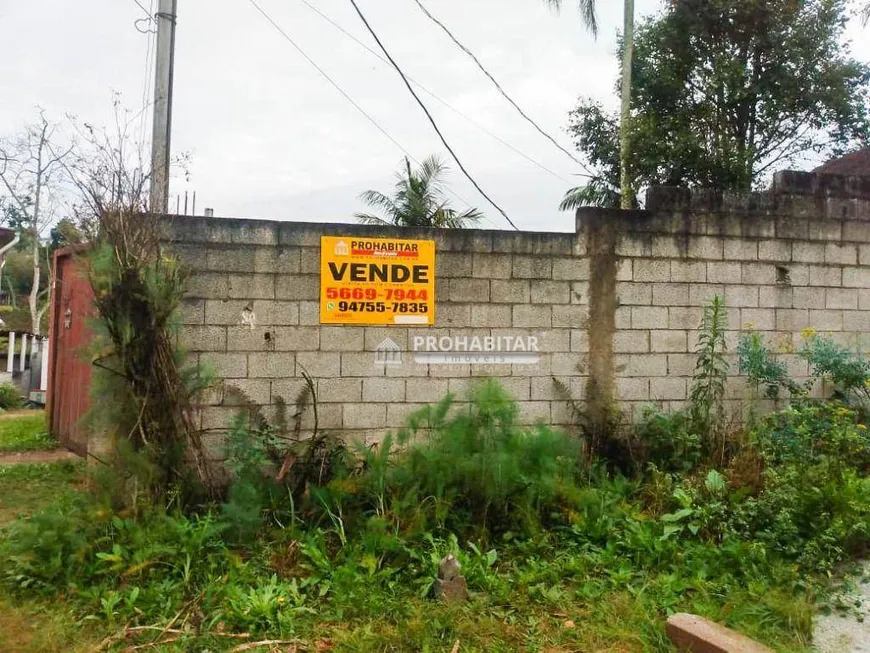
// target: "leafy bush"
[[815, 502], [671, 442], [847, 369], [762, 369], [10, 396], [475, 469]]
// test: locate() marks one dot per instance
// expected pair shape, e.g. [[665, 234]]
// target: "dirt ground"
[[36, 457]]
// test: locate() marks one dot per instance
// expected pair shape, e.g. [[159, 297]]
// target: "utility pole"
[[164, 64], [626, 192]]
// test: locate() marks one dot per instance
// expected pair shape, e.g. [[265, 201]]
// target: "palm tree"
[[418, 200], [587, 12]]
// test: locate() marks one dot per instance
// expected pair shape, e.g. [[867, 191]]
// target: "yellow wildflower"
[[808, 333]]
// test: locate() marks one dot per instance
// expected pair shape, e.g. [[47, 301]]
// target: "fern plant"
[[711, 372]]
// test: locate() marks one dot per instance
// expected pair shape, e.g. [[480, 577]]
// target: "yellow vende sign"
[[377, 281]]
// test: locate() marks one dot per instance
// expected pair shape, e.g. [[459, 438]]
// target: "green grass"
[[24, 489], [25, 432]]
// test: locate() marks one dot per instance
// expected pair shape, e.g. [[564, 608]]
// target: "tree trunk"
[[626, 192], [34, 291]]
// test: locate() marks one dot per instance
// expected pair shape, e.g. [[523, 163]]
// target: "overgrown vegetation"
[[25, 432], [320, 546], [10, 396]]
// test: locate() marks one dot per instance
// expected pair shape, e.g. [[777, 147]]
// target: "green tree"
[[725, 91], [418, 200]]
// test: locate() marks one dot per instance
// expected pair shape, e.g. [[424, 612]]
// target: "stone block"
[[230, 259], [623, 317], [342, 338], [319, 364], [631, 342], [532, 267], [197, 337], [570, 316], [295, 338], [454, 315], [665, 340], [775, 297], [808, 298], [706, 247], [208, 285], [681, 317], [274, 313], [792, 319], [297, 287], [827, 320], [724, 272], [634, 294], [856, 231], [623, 270], [864, 255], [288, 390], [648, 317], [858, 321], [225, 311], [762, 274], [689, 632], [532, 316], [633, 245], [384, 390], [739, 249], [362, 364], [668, 389], [517, 387], [793, 228], [534, 412], [793, 274], [309, 259], [375, 336], [774, 250], [759, 319], [251, 286], [841, 254], [651, 270], [468, 290], [864, 299], [224, 366], [740, 296], [681, 364], [427, 390], [510, 292], [271, 365], [632, 389], [491, 266], [845, 298], [579, 292], [823, 275], [579, 340], [258, 391], [571, 269], [309, 313], [453, 264], [667, 247], [398, 414], [670, 294], [804, 252], [331, 391], [700, 294], [856, 277], [826, 230], [329, 416], [364, 416], [689, 271], [218, 418], [550, 292], [192, 311]]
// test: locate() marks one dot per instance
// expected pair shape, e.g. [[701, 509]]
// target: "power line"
[[347, 97], [429, 116], [146, 91], [434, 95], [499, 87]]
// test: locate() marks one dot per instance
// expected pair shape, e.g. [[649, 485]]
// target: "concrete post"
[[43, 376], [10, 360], [23, 361]]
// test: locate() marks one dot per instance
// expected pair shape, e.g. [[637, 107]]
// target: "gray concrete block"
[[271, 365]]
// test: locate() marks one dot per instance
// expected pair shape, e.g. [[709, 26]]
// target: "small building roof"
[[856, 164]]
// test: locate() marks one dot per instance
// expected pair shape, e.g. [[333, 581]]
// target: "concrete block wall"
[[251, 315], [616, 305]]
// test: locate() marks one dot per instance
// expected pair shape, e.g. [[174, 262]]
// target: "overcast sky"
[[271, 138]]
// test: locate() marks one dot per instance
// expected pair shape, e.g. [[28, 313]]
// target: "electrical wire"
[[347, 97], [434, 95], [149, 69], [499, 87], [429, 116]]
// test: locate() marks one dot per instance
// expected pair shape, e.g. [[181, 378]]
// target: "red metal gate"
[[69, 376]]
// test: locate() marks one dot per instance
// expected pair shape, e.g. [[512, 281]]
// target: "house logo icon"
[[341, 248], [388, 353]]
